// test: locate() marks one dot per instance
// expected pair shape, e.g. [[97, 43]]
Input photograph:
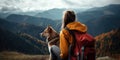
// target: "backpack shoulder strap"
[[66, 28], [72, 33]]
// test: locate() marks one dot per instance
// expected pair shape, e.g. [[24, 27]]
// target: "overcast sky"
[[28, 5]]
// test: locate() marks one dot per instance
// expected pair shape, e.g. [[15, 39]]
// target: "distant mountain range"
[[54, 14], [38, 21], [29, 19], [4, 15], [21, 27], [99, 12]]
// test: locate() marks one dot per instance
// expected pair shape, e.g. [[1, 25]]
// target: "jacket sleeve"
[[63, 44]]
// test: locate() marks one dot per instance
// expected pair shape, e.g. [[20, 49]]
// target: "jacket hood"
[[77, 26]]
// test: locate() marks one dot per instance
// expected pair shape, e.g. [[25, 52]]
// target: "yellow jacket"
[[64, 34]]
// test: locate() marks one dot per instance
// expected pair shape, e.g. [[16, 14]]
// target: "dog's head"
[[47, 32], [50, 34]]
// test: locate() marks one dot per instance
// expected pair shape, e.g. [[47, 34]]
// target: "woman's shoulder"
[[64, 31]]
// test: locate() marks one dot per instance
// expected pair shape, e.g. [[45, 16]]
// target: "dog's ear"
[[49, 29]]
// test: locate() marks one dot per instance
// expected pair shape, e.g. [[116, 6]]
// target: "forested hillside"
[[107, 44]]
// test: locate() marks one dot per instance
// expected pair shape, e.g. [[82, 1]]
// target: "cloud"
[[90, 3], [32, 4], [28, 5]]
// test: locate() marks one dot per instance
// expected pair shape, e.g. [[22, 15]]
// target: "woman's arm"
[[63, 45], [65, 39]]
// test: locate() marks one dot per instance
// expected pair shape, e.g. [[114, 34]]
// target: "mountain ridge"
[[107, 44]]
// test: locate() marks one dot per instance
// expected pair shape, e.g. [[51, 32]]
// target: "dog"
[[52, 37]]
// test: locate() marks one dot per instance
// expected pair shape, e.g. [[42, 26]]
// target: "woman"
[[69, 21]]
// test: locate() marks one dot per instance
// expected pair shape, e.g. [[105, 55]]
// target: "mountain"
[[107, 44], [12, 42], [103, 24], [33, 39], [99, 12], [4, 15], [21, 27], [29, 13], [54, 14], [30, 19], [100, 20], [11, 39]]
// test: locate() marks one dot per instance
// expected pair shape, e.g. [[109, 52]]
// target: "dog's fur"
[[52, 37]]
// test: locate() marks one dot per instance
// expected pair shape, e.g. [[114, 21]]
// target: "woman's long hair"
[[68, 16]]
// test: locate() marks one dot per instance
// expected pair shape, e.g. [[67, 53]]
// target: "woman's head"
[[68, 16]]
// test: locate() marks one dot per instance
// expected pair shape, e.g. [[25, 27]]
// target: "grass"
[[20, 56], [6, 55], [105, 58]]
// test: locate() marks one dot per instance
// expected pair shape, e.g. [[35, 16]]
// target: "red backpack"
[[83, 46]]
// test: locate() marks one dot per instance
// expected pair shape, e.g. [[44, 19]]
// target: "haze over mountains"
[[99, 20]]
